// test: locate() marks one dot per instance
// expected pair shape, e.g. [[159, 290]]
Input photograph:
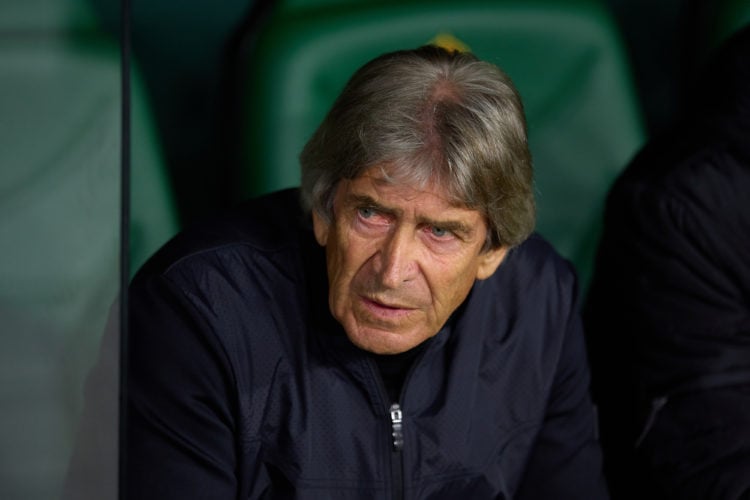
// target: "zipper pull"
[[396, 427]]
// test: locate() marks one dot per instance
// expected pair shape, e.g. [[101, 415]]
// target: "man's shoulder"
[[268, 224], [536, 259], [688, 166], [534, 276], [530, 302]]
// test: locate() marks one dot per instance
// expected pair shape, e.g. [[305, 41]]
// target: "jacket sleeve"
[[566, 463], [179, 425], [674, 270]]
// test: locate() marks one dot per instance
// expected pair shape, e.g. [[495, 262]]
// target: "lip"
[[385, 310]]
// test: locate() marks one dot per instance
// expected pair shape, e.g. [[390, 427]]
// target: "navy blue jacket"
[[241, 384]]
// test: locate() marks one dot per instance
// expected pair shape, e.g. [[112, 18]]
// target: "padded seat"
[[565, 58]]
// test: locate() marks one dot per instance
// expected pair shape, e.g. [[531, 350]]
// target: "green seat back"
[[731, 15], [565, 58]]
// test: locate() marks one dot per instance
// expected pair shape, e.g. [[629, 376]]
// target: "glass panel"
[[59, 241]]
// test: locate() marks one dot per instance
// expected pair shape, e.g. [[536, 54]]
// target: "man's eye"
[[439, 232], [366, 212]]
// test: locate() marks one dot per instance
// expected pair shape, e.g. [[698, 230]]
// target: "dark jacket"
[[668, 314], [241, 385]]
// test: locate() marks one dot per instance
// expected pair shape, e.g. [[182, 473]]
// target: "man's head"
[[419, 180]]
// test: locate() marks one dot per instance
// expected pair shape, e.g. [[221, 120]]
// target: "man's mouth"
[[385, 309], [387, 306]]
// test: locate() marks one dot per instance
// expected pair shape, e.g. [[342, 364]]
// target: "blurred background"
[[220, 98]]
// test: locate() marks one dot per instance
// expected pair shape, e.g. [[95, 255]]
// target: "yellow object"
[[450, 42]]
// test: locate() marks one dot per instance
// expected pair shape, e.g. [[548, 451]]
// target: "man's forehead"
[[384, 182]]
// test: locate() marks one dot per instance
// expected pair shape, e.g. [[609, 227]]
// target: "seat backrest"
[[731, 15], [565, 58]]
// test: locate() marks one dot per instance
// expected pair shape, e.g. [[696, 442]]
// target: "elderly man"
[[390, 330]]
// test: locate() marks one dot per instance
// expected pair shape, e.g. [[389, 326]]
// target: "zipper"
[[395, 419], [395, 424], [397, 446]]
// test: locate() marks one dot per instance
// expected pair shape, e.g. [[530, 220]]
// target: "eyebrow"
[[453, 226], [368, 201]]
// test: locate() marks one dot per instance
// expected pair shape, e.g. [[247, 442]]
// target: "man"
[[668, 314], [399, 335]]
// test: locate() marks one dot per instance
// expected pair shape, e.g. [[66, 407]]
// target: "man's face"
[[400, 260]]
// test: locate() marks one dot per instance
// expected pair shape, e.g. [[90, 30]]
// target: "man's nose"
[[398, 258]]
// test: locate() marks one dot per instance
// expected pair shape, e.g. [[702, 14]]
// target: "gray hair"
[[426, 115]]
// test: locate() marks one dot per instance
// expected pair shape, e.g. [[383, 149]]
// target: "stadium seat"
[[565, 57]]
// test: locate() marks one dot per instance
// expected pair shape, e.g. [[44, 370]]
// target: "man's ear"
[[489, 261], [321, 228]]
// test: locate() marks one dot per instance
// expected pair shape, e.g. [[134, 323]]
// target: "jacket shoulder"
[[535, 285], [537, 261], [266, 224]]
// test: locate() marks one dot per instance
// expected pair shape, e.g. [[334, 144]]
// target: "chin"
[[381, 341]]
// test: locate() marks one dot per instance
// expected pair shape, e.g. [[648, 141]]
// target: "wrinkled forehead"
[[417, 179]]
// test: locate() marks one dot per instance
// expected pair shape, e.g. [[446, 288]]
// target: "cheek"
[[336, 261], [450, 285], [347, 262]]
